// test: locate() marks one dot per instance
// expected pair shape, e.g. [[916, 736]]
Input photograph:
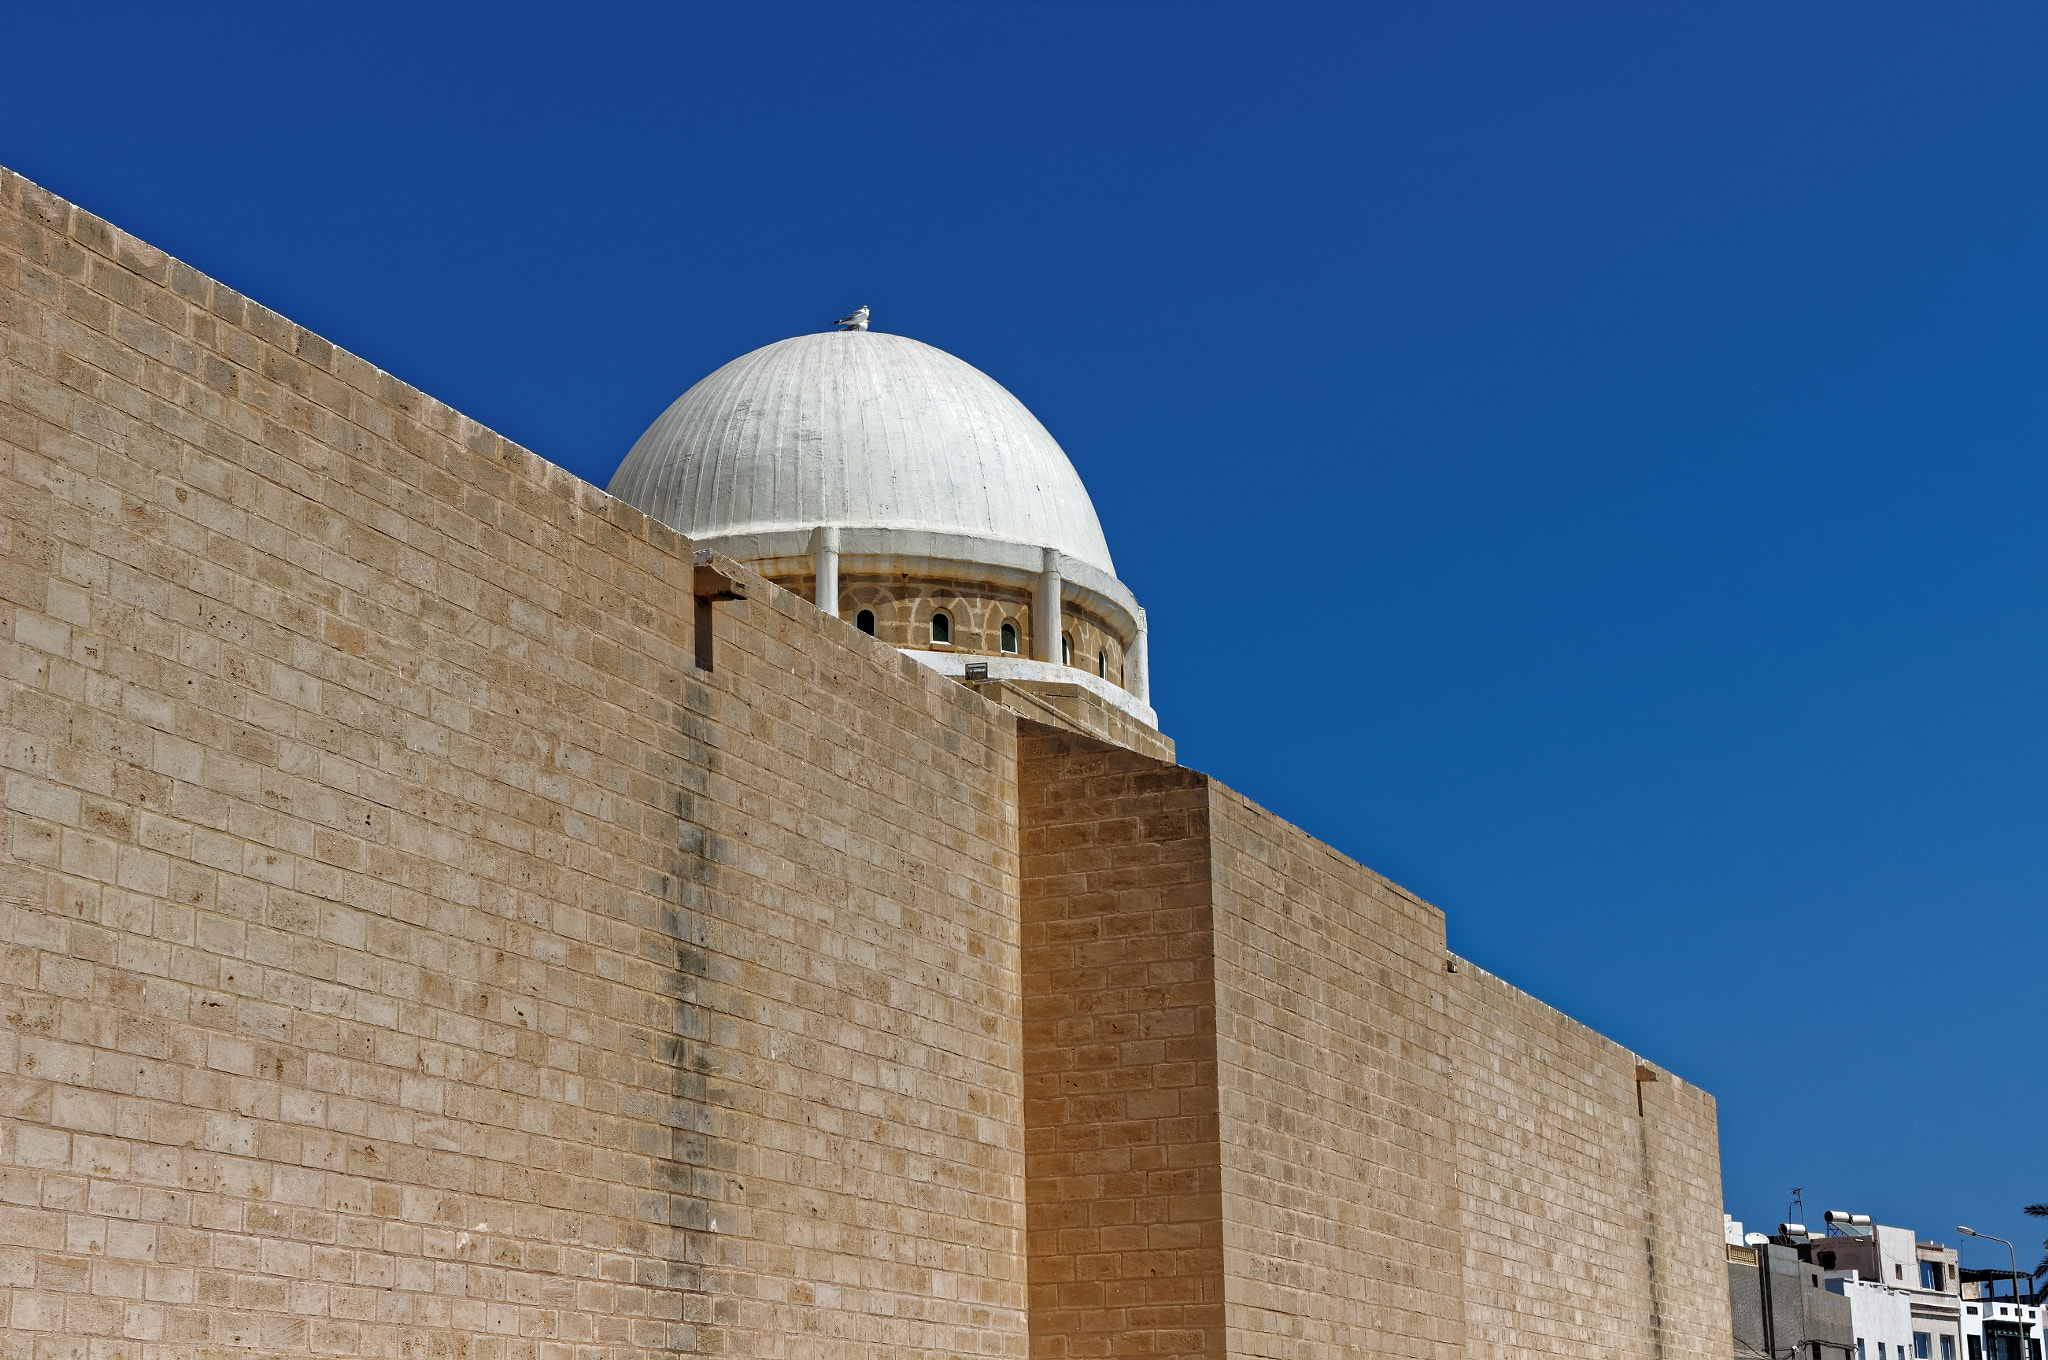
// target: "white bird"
[[854, 321]]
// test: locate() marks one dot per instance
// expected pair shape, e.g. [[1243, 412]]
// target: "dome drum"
[[900, 609], [926, 555], [896, 598], [903, 613]]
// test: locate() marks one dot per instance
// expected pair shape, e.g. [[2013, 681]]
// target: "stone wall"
[[1409, 1159], [1591, 1221], [1414, 1159], [1123, 1182], [1335, 1059], [407, 951]]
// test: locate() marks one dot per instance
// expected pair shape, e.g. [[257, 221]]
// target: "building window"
[[1923, 1346], [1102, 664], [1948, 1347], [865, 621], [1066, 650], [1827, 1260], [1009, 637], [1930, 1274], [1898, 1271], [1976, 1348], [942, 628], [1859, 1350]]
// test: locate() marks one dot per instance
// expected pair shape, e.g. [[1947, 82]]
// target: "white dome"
[[858, 429]]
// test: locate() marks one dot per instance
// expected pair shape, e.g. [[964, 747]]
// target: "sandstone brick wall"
[[1125, 1223], [407, 950], [403, 949], [1334, 1068], [1590, 1230], [1413, 1161]]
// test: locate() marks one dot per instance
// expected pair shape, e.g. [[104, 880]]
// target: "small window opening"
[[1009, 637], [702, 632], [1066, 650], [1102, 664], [942, 628], [865, 621]]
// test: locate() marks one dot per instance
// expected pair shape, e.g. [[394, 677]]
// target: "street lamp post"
[[1972, 1232]]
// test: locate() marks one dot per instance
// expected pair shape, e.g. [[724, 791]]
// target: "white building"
[[1882, 1317], [1999, 1329], [1911, 1300], [1905, 1295]]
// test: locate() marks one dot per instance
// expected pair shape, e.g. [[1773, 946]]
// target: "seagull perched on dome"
[[854, 321]]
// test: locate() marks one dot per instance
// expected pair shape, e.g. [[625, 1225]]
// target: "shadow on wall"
[[704, 1183]]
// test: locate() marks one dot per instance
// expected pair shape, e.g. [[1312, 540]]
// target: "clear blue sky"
[[1585, 461]]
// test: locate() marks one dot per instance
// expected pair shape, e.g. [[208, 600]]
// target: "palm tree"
[[2040, 1211]]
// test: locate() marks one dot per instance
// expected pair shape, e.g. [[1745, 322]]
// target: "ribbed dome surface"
[[861, 429]]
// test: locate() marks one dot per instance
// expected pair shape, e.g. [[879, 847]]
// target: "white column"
[[1045, 610], [825, 548], [1138, 664]]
